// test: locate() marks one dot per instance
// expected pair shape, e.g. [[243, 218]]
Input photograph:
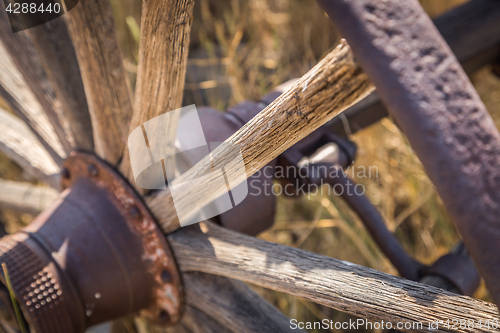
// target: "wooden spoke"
[[347, 287], [23, 55], [15, 91], [92, 30], [163, 53], [55, 49], [194, 321], [20, 144], [233, 304], [217, 304], [26, 197], [165, 30], [67, 82], [329, 88]]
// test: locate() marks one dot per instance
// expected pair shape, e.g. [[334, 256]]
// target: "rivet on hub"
[[164, 316], [92, 169], [166, 276], [135, 213], [65, 173]]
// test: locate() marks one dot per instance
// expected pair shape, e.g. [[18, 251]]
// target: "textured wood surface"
[[344, 286], [16, 92], [26, 197], [27, 62], [194, 321], [55, 49], [92, 30], [165, 29], [216, 304], [20, 144], [334, 84], [317, 97], [233, 304], [163, 52]]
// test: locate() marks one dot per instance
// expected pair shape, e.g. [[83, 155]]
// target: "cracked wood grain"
[[233, 304], [17, 93], [163, 52], [350, 288], [57, 55], [165, 30], [221, 305], [23, 55], [334, 84], [92, 29]]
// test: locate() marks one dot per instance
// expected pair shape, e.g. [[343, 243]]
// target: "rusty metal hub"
[[95, 255]]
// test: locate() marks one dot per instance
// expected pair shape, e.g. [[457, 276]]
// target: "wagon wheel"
[[96, 114]]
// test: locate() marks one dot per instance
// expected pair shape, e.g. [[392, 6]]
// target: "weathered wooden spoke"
[[333, 85], [57, 55], [15, 90], [165, 29], [219, 297], [160, 83], [24, 56], [347, 287], [194, 321], [26, 197], [21, 145], [96, 114], [92, 29]]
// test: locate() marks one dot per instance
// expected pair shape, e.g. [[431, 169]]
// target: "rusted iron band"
[[433, 101]]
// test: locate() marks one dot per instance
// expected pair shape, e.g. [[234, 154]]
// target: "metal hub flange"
[[95, 255]]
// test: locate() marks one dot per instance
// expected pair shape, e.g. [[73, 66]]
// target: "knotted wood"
[[341, 285], [334, 84]]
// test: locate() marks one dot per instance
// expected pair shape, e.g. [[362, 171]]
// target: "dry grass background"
[[240, 50]]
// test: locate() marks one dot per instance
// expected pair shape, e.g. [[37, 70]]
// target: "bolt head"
[[65, 173], [166, 277], [135, 212], [92, 169], [164, 316]]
